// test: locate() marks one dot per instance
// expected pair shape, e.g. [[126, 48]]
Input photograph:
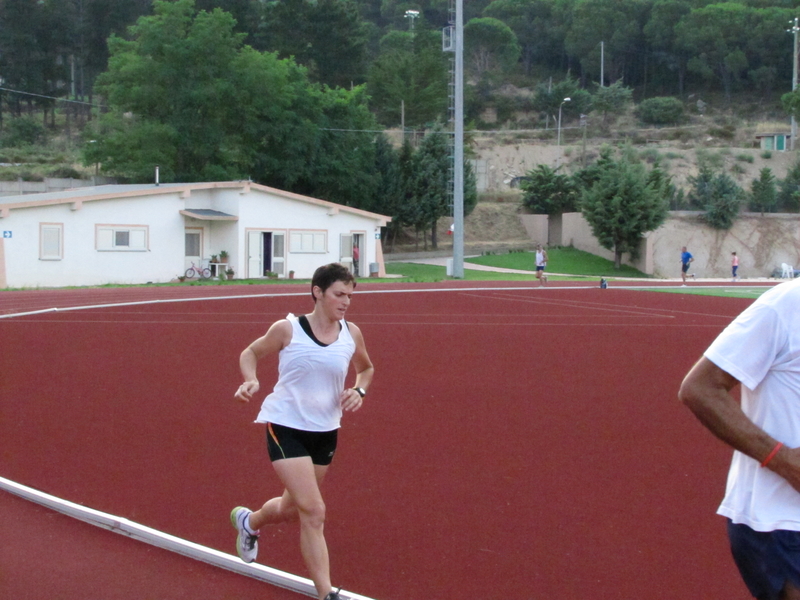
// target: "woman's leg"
[[301, 500]]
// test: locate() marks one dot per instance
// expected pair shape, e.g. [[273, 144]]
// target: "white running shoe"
[[246, 542]]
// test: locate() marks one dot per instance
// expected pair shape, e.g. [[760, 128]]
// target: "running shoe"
[[246, 542], [333, 595]]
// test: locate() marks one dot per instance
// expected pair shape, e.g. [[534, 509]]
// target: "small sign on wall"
[[378, 235], [6, 234]]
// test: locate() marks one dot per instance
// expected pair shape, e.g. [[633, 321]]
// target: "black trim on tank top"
[[307, 328]]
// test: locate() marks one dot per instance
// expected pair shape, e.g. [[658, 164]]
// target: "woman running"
[[303, 413]]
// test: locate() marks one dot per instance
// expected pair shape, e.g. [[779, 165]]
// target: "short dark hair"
[[326, 275]]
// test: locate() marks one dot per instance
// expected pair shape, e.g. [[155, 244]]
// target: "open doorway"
[[266, 253]]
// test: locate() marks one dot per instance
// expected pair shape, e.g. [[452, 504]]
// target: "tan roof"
[[112, 192]]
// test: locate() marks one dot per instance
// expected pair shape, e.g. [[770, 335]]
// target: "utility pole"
[[602, 64], [794, 31]]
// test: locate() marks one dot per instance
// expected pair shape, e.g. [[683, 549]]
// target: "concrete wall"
[[762, 242], [537, 227]]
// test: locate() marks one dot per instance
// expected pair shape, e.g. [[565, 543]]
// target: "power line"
[[5, 89]]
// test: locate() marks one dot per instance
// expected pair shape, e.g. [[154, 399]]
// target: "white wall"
[[82, 263], [269, 212]]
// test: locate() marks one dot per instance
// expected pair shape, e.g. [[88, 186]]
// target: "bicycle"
[[201, 271]]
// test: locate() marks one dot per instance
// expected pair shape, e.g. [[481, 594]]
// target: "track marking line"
[[172, 543]]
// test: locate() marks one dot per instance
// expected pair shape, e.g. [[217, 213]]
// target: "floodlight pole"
[[794, 31], [458, 146]]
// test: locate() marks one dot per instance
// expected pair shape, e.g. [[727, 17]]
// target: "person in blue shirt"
[[686, 260]]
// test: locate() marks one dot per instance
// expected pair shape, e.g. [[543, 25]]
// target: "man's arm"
[[706, 391]]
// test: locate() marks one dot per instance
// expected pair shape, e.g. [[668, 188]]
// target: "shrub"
[[726, 132], [719, 195], [22, 131], [662, 110], [65, 173]]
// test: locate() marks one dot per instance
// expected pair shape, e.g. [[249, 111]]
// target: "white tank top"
[[310, 381]]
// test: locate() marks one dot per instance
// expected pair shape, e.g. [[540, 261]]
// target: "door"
[[278, 253], [193, 246], [346, 250], [255, 257], [358, 254], [266, 252]]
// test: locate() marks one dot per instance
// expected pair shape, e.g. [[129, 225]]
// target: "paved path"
[[442, 261]]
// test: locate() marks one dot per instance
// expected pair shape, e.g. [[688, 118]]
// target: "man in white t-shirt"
[[761, 350]]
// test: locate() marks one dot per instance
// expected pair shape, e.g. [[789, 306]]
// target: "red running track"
[[516, 443]]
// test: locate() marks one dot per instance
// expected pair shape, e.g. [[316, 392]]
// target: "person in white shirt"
[[303, 414], [541, 264], [761, 350]]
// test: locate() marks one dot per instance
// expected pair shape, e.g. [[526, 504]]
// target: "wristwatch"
[[361, 391]]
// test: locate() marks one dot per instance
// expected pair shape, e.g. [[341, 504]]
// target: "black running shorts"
[[286, 442]]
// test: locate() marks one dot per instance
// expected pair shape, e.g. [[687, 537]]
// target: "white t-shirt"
[[310, 381], [761, 348], [540, 261]]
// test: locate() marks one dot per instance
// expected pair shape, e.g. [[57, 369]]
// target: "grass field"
[[560, 260]]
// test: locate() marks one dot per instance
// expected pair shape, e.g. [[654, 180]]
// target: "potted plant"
[[223, 256], [229, 273], [291, 274], [214, 258]]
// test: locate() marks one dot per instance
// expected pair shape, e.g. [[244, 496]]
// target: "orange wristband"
[[772, 454]]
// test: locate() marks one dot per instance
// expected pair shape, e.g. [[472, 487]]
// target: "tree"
[[326, 36], [428, 183], [539, 34], [490, 45], [410, 72], [545, 191], [549, 98], [616, 23], [660, 34], [791, 103], [763, 195], [622, 205], [789, 189], [185, 94], [716, 37], [611, 101], [718, 194]]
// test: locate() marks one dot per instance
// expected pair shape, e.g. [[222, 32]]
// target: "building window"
[[51, 238], [192, 244], [122, 238], [308, 241]]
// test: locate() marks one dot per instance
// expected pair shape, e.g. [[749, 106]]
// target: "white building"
[[153, 233]]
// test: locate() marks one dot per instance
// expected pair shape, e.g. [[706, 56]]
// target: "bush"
[[719, 195], [662, 110], [726, 132], [65, 173], [22, 131]]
